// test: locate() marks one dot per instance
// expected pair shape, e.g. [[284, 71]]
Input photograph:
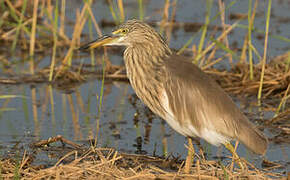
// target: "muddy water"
[[124, 122]]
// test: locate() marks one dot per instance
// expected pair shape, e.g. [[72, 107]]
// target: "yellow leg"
[[230, 147], [190, 156]]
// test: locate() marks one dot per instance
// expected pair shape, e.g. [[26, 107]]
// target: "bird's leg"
[[190, 156], [201, 151], [230, 147]]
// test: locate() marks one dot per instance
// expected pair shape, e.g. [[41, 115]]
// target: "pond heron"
[[178, 91]]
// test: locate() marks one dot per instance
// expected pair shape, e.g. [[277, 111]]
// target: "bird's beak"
[[102, 41]]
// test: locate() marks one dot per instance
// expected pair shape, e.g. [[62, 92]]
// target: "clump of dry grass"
[[237, 80], [107, 163]]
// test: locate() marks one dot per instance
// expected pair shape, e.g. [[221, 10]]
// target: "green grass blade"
[[287, 62], [141, 11], [223, 47], [256, 30], [55, 26], [226, 175], [255, 51], [204, 28], [250, 26], [19, 25], [113, 11], [7, 109], [265, 52], [211, 20], [186, 44], [11, 96]]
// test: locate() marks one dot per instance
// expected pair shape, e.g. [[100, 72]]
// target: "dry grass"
[[237, 80], [106, 163]]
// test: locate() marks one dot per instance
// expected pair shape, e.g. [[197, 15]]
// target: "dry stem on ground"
[[106, 163]]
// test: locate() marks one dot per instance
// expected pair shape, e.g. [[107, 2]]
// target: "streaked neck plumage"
[[145, 70]]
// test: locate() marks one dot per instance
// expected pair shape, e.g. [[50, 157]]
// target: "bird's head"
[[131, 33]]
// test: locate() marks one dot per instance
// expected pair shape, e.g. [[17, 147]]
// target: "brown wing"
[[194, 95]]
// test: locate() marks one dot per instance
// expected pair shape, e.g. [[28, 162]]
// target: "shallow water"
[[124, 125]]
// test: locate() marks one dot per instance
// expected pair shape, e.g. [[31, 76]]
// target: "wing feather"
[[193, 96]]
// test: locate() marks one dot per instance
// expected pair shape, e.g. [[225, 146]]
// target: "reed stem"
[[265, 52]]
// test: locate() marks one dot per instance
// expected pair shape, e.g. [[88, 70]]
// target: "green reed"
[[141, 10], [287, 62], [100, 98], [121, 11], [33, 35], [255, 51], [250, 27], [12, 11], [265, 51], [92, 52], [55, 26], [195, 34], [223, 47], [204, 28], [226, 174], [112, 10], [24, 5], [118, 16], [283, 101], [259, 31]]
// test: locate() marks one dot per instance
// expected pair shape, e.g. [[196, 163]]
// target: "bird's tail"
[[252, 138]]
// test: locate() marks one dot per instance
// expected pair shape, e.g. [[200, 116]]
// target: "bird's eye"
[[124, 31], [121, 31]]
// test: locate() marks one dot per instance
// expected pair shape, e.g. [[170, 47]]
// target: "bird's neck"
[[145, 70], [147, 56]]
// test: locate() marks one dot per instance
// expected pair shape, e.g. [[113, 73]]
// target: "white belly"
[[188, 130]]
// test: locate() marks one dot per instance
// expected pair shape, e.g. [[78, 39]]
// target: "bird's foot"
[[236, 157]]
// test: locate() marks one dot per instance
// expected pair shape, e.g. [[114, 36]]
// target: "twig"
[[55, 139]]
